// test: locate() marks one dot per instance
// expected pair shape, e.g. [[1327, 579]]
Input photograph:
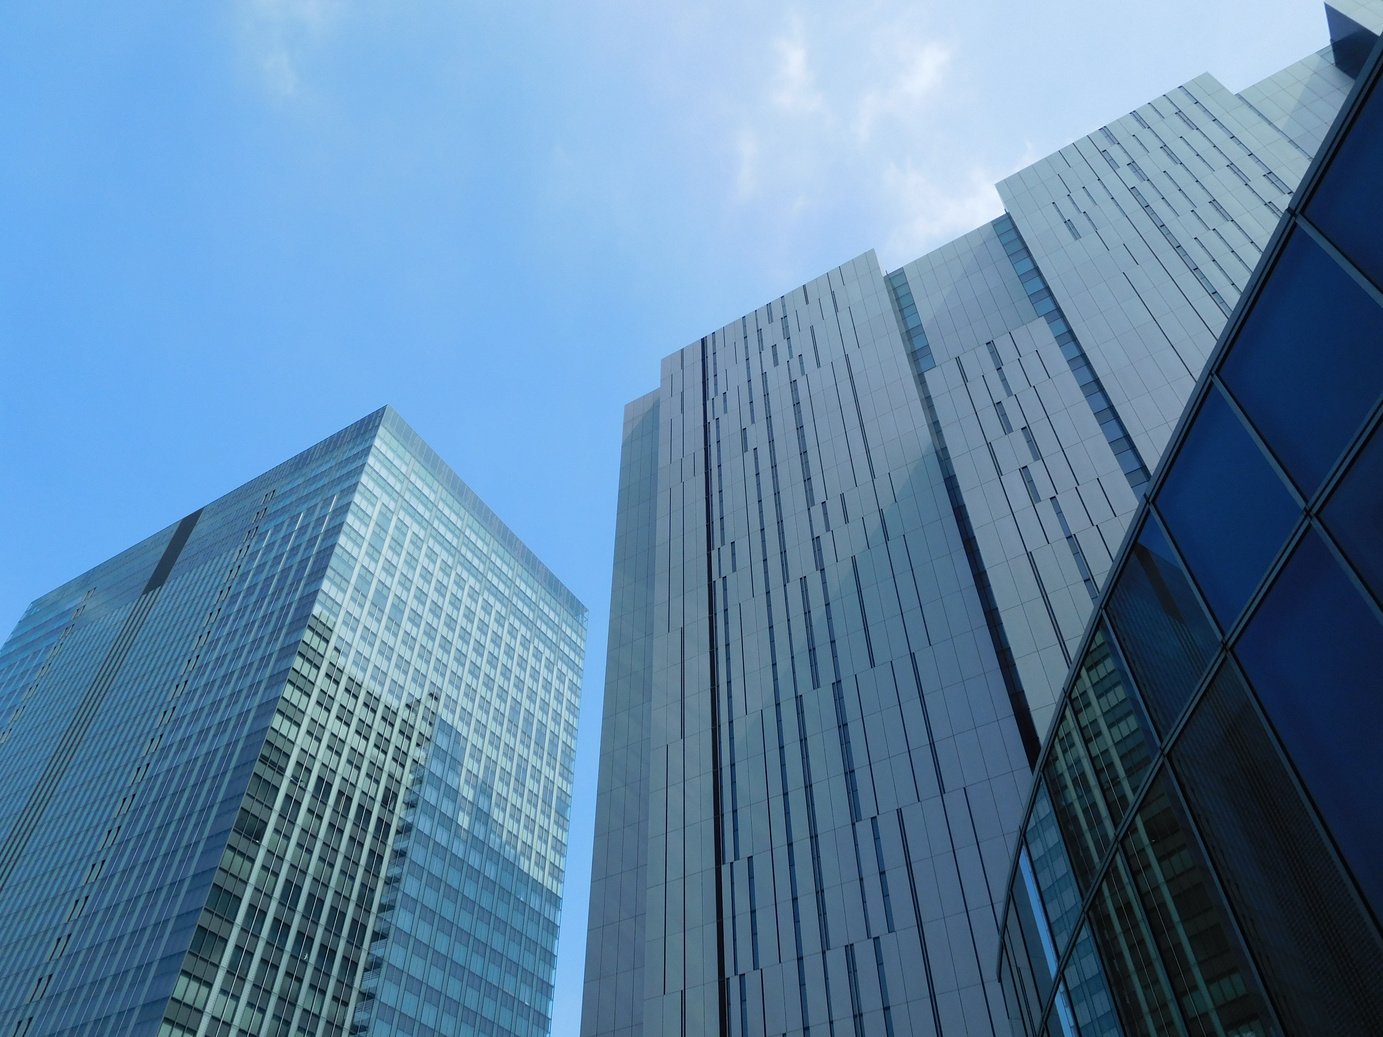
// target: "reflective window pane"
[[1308, 363], [1355, 513], [1314, 654], [1060, 898], [1133, 966], [1100, 756], [1214, 989], [1076, 802], [1061, 1023], [1166, 637], [1114, 730], [1028, 942], [1019, 997], [1278, 872], [1349, 207], [1225, 507], [1091, 1002]]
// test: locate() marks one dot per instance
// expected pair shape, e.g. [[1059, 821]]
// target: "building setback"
[[298, 764], [859, 537], [1203, 849]]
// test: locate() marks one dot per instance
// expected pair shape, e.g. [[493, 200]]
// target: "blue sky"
[[227, 230]]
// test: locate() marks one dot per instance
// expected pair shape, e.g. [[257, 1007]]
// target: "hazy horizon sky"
[[232, 229]]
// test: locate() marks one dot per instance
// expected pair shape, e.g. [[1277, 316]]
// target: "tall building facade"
[[859, 538], [1203, 849], [298, 764]]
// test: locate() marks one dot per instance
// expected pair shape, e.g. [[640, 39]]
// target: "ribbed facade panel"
[[883, 507]]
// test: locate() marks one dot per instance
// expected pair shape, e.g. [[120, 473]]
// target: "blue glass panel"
[[1348, 205], [1214, 989], [1308, 364], [1101, 752], [1088, 989], [1015, 991], [1032, 934], [1132, 963], [1314, 653], [1225, 507], [1060, 899], [1166, 636], [1355, 513], [1277, 871]]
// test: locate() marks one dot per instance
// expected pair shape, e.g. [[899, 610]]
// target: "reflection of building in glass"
[[298, 764], [860, 533], [1203, 849]]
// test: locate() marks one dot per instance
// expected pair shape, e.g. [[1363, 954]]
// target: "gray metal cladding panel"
[[1302, 99], [1045, 496], [1037, 477], [613, 1001], [966, 293], [811, 765], [834, 770], [1147, 231]]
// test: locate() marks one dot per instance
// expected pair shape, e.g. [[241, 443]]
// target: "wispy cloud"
[[747, 167], [277, 34], [833, 112], [794, 87], [856, 125], [922, 69], [928, 211]]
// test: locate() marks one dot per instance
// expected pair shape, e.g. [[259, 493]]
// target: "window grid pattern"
[[141, 814], [332, 723]]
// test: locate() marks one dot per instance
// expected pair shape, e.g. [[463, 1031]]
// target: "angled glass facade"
[[1202, 847], [861, 532], [299, 764]]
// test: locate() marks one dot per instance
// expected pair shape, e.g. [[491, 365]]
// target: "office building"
[[860, 535], [298, 764], [1203, 849]]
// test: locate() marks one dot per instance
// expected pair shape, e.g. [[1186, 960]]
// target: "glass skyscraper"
[[1203, 846], [861, 531], [300, 763]]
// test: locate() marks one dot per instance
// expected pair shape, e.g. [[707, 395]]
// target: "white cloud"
[[276, 34], [747, 169], [929, 212], [794, 89], [923, 70], [842, 121], [932, 210]]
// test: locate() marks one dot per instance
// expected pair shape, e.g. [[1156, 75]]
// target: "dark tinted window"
[[1314, 653], [1060, 899], [1100, 755], [1165, 635], [1225, 507], [1214, 988], [1308, 363], [1277, 870], [1132, 963], [1349, 206], [1088, 991], [1029, 939], [1020, 999], [1355, 513]]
